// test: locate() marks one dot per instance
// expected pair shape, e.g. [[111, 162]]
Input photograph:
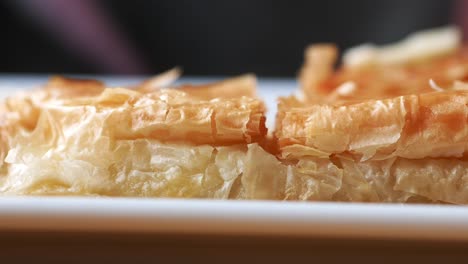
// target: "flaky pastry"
[[392, 119], [151, 143], [368, 74]]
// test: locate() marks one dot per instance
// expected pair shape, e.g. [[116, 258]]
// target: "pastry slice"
[[76, 137], [383, 121]]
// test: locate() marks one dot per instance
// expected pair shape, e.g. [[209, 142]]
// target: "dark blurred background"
[[205, 37]]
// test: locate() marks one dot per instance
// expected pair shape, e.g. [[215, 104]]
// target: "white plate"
[[228, 217]]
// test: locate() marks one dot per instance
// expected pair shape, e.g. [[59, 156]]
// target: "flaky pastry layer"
[[399, 180], [163, 114], [414, 126], [98, 165], [77, 137]]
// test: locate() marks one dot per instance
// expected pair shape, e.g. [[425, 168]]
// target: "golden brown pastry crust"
[[379, 107], [170, 115], [384, 81], [243, 85], [162, 80], [162, 114], [414, 126]]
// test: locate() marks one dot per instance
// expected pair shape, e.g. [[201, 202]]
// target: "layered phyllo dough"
[[392, 119], [79, 137]]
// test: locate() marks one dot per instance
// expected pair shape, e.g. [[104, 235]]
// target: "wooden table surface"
[[135, 248]]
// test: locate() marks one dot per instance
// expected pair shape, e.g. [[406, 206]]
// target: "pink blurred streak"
[[85, 29], [461, 16]]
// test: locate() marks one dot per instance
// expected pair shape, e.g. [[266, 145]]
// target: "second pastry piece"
[[404, 145]]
